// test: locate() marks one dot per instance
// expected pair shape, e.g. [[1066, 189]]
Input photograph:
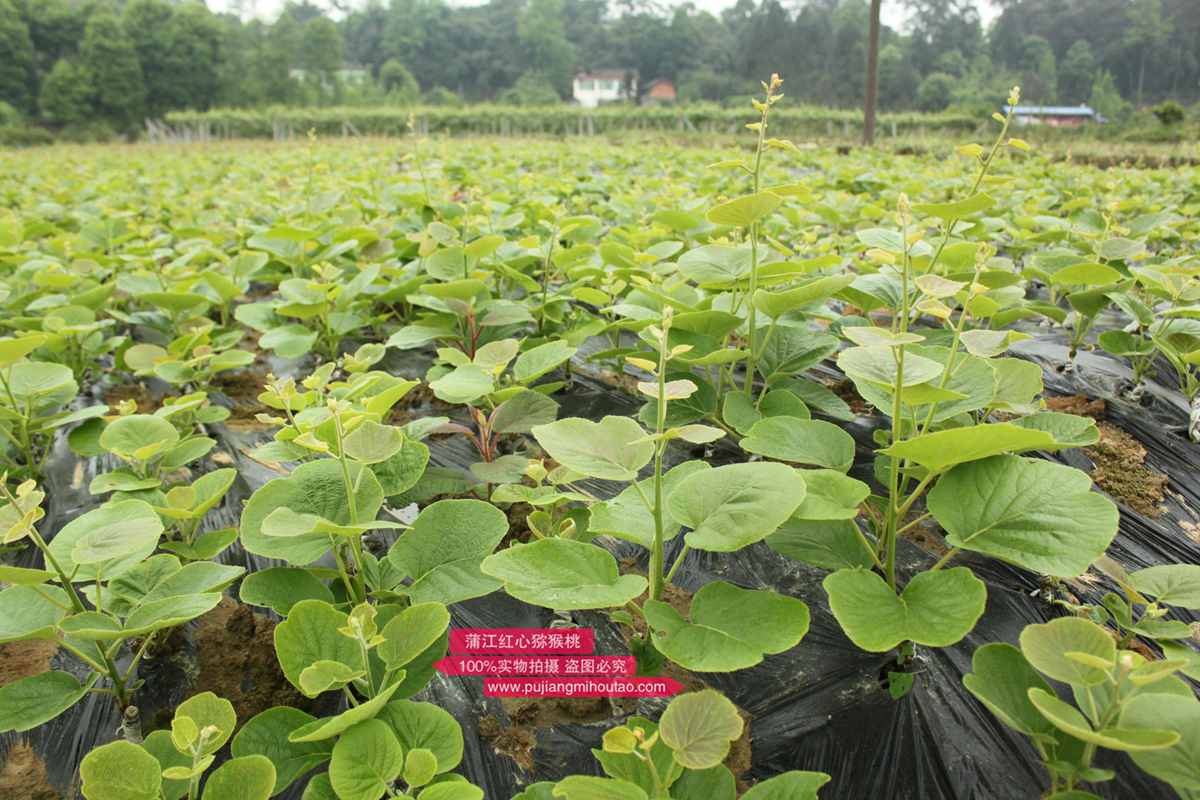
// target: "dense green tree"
[[398, 82], [1076, 73], [543, 42], [1039, 78], [935, 92], [67, 95], [109, 56], [17, 75]]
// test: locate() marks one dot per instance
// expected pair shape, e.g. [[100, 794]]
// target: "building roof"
[[605, 74], [1054, 111]]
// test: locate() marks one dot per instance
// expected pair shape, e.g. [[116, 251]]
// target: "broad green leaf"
[[27, 612], [280, 588], [328, 727], [37, 699], [1178, 765], [366, 759], [402, 471], [801, 441], [735, 505], [321, 676], [169, 612], [1069, 720], [464, 384], [310, 634], [1069, 430], [714, 783], [1171, 584], [373, 443], [289, 341], [116, 535], [824, 544], [744, 211], [412, 632], [522, 411], [313, 488], [1032, 513], [266, 734], [442, 550], [878, 365], [245, 778], [1001, 679], [1048, 647], [122, 533], [793, 785], [588, 787], [120, 770], [941, 450], [717, 639], [699, 727], [830, 495], [424, 725], [614, 448], [209, 711], [563, 574], [776, 304], [935, 609], [627, 517], [956, 210], [139, 436], [420, 765], [534, 363], [1085, 275]]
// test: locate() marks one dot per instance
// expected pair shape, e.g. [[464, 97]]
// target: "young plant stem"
[[891, 531], [360, 588], [656, 554], [751, 321]]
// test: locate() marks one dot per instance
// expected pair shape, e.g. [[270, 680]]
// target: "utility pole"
[[872, 76]]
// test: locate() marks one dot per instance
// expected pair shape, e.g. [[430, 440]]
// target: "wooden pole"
[[872, 76]]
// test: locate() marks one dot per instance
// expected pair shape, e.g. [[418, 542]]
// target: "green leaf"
[[626, 515], [1171, 584], [941, 450], [699, 727], [329, 727], [735, 505], [402, 471], [1032, 513], [1178, 765], [956, 210], [117, 535], [614, 448], [463, 384], [321, 676], [935, 609], [563, 574], [313, 488], [588, 787], [1069, 720], [824, 544], [169, 612], [534, 363], [451, 790], [366, 759], [1001, 679], [1048, 647], [121, 480], [744, 211], [420, 766], [776, 304], [830, 495], [245, 778], [412, 632], [714, 783], [310, 634], [30, 702], [27, 612], [801, 441], [442, 550], [877, 365], [289, 341], [120, 770], [1070, 430], [793, 785], [139, 436], [426, 726], [280, 588], [159, 745], [372, 443], [266, 734], [1085, 275], [207, 710], [522, 411], [717, 638]]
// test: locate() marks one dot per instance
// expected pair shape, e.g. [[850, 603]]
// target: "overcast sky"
[[893, 12]]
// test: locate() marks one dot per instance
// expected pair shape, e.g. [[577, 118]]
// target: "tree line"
[[75, 62]]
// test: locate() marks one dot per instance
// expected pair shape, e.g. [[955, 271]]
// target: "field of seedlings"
[[883, 469]]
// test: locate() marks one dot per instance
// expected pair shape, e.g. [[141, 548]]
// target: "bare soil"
[[1078, 405], [23, 776], [24, 659], [1120, 469]]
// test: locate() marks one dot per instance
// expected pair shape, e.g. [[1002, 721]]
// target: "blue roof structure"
[[1053, 111]]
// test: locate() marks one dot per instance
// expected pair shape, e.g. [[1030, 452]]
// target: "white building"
[[604, 86]]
